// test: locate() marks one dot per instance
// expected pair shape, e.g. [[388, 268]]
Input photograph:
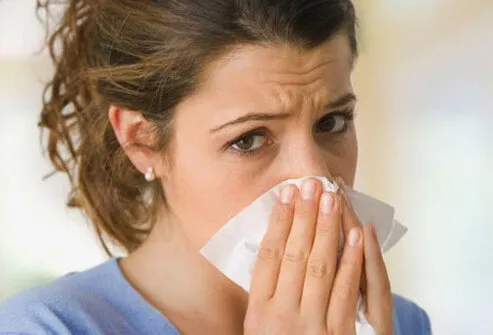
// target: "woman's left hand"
[[375, 284]]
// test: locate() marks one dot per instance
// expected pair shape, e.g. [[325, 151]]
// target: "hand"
[[298, 287], [375, 284]]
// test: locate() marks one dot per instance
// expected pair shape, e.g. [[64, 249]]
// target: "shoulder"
[[409, 318], [96, 301], [44, 309], [77, 303]]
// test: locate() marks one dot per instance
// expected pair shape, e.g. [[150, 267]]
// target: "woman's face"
[[261, 115]]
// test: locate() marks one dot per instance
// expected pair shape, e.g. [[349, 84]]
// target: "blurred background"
[[425, 122]]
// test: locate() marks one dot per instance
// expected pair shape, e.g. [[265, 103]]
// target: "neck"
[[171, 274]]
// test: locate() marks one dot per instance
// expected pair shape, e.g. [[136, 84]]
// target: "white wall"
[[19, 29], [441, 174], [426, 77], [39, 238]]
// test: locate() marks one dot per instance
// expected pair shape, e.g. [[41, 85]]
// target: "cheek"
[[341, 159], [202, 193], [204, 190], [351, 161]]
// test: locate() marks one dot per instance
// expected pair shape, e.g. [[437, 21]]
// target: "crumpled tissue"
[[233, 249]]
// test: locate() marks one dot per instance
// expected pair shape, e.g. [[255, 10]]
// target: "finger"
[[266, 270], [350, 220], [323, 259], [378, 296], [345, 291], [298, 247]]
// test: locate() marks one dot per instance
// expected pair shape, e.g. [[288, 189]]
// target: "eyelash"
[[347, 114], [255, 132]]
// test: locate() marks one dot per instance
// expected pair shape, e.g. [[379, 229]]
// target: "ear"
[[133, 133]]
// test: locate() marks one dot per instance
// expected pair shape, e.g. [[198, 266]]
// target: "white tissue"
[[233, 249]]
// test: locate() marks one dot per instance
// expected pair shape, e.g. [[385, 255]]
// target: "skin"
[[214, 169]]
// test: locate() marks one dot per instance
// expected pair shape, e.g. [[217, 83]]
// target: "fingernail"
[[326, 203], [353, 236], [308, 189], [287, 194], [341, 182], [343, 193], [341, 185]]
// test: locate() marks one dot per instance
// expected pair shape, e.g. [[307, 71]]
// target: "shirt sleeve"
[[409, 318], [26, 315]]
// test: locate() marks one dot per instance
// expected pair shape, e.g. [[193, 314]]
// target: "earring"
[[149, 175]]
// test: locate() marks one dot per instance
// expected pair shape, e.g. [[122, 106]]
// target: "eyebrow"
[[339, 102], [342, 101]]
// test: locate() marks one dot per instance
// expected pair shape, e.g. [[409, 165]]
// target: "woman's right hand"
[[299, 286]]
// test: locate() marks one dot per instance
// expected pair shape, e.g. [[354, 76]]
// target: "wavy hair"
[[146, 56]]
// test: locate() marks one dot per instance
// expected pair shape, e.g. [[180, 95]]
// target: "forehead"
[[271, 77], [260, 63]]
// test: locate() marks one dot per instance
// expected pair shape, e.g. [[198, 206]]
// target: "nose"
[[305, 158]]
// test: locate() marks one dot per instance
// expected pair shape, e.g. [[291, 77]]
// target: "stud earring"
[[149, 175]]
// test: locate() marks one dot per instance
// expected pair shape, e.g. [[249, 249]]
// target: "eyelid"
[[262, 131], [348, 112]]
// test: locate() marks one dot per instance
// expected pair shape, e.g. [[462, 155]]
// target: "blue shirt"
[[101, 301]]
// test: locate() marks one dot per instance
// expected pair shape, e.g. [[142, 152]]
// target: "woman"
[[169, 117]]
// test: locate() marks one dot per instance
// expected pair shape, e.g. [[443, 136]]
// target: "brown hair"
[[146, 56]]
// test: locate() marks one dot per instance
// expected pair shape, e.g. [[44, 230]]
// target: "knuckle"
[[324, 228], [269, 253], [253, 323], [280, 318], [341, 326], [312, 326], [295, 255], [345, 290], [317, 269], [338, 328], [271, 322]]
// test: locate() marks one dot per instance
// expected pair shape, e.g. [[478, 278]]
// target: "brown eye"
[[249, 143], [332, 123]]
